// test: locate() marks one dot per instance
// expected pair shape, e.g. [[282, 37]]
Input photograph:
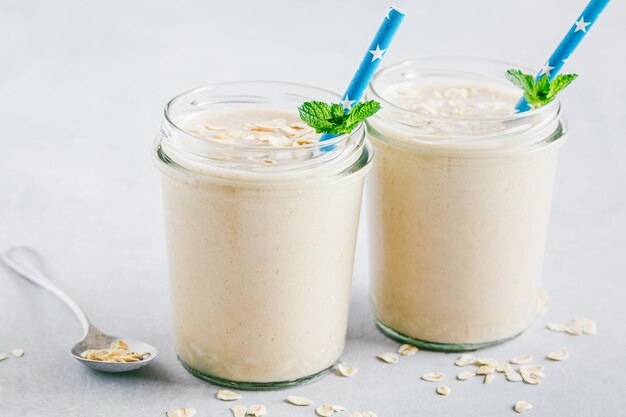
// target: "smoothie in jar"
[[459, 203], [261, 226]]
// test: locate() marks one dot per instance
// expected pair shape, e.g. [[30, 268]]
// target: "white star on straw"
[[377, 53], [546, 69], [346, 103], [565, 60], [389, 11], [581, 25]]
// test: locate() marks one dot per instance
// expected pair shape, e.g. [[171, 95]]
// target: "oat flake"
[[560, 355], [443, 390], [504, 367], [522, 406], [521, 359], [462, 376], [388, 357], [256, 410], [434, 377], [556, 327], [239, 411], [17, 352], [489, 378], [346, 371], [590, 327], [181, 412], [3, 356], [325, 410], [407, 350], [487, 361], [465, 359], [485, 370], [226, 395], [297, 400], [530, 378], [513, 376]]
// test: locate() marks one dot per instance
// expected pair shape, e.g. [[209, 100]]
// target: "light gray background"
[[82, 87]]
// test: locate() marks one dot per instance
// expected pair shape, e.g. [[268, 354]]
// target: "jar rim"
[[173, 124], [178, 148], [480, 135], [552, 107]]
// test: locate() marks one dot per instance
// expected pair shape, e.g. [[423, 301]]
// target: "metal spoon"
[[27, 263]]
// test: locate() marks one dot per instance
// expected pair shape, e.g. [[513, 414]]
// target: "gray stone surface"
[[82, 87]]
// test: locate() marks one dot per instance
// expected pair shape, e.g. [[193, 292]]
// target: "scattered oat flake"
[[575, 329], [531, 368], [487, 361], [504, 367], [346, 370], [488, 378], [556, 327], [443, 390], [256, 410], [590, 327], [465, 359], [407, 350], [530, 378], [521, 359], [434, 377], [522, 406], [559, 355], [226, 395], [388, 357], [462, 376], [181, 412], [325, 410], [513, 376], [485, 370], [17, 352], [297, 400], [239, 411], [3, 356]]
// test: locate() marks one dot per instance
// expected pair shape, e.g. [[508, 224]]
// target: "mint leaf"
[[521, 80], [360, 112], [337, 114], [316, 114], [541, 91], [559, 83], [332, 119], [542, 88]]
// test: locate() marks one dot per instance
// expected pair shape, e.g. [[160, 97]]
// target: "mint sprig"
[[541, 92], [332, 119]]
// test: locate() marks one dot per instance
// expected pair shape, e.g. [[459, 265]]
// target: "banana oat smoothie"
[[261, 225], [459, 200]]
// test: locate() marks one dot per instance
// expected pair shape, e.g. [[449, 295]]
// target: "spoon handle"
[[27, 263]]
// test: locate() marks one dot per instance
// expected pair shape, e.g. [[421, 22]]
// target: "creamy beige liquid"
[[260, 272], [457, 231]]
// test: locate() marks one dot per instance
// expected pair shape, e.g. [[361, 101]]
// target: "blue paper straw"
[[562, 53], [370, 61]]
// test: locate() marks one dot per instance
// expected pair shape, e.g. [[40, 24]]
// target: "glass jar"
[[260, 255], [458, 210]]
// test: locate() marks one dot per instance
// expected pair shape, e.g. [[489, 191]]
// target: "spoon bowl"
[[104, 341], [28, 264]]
